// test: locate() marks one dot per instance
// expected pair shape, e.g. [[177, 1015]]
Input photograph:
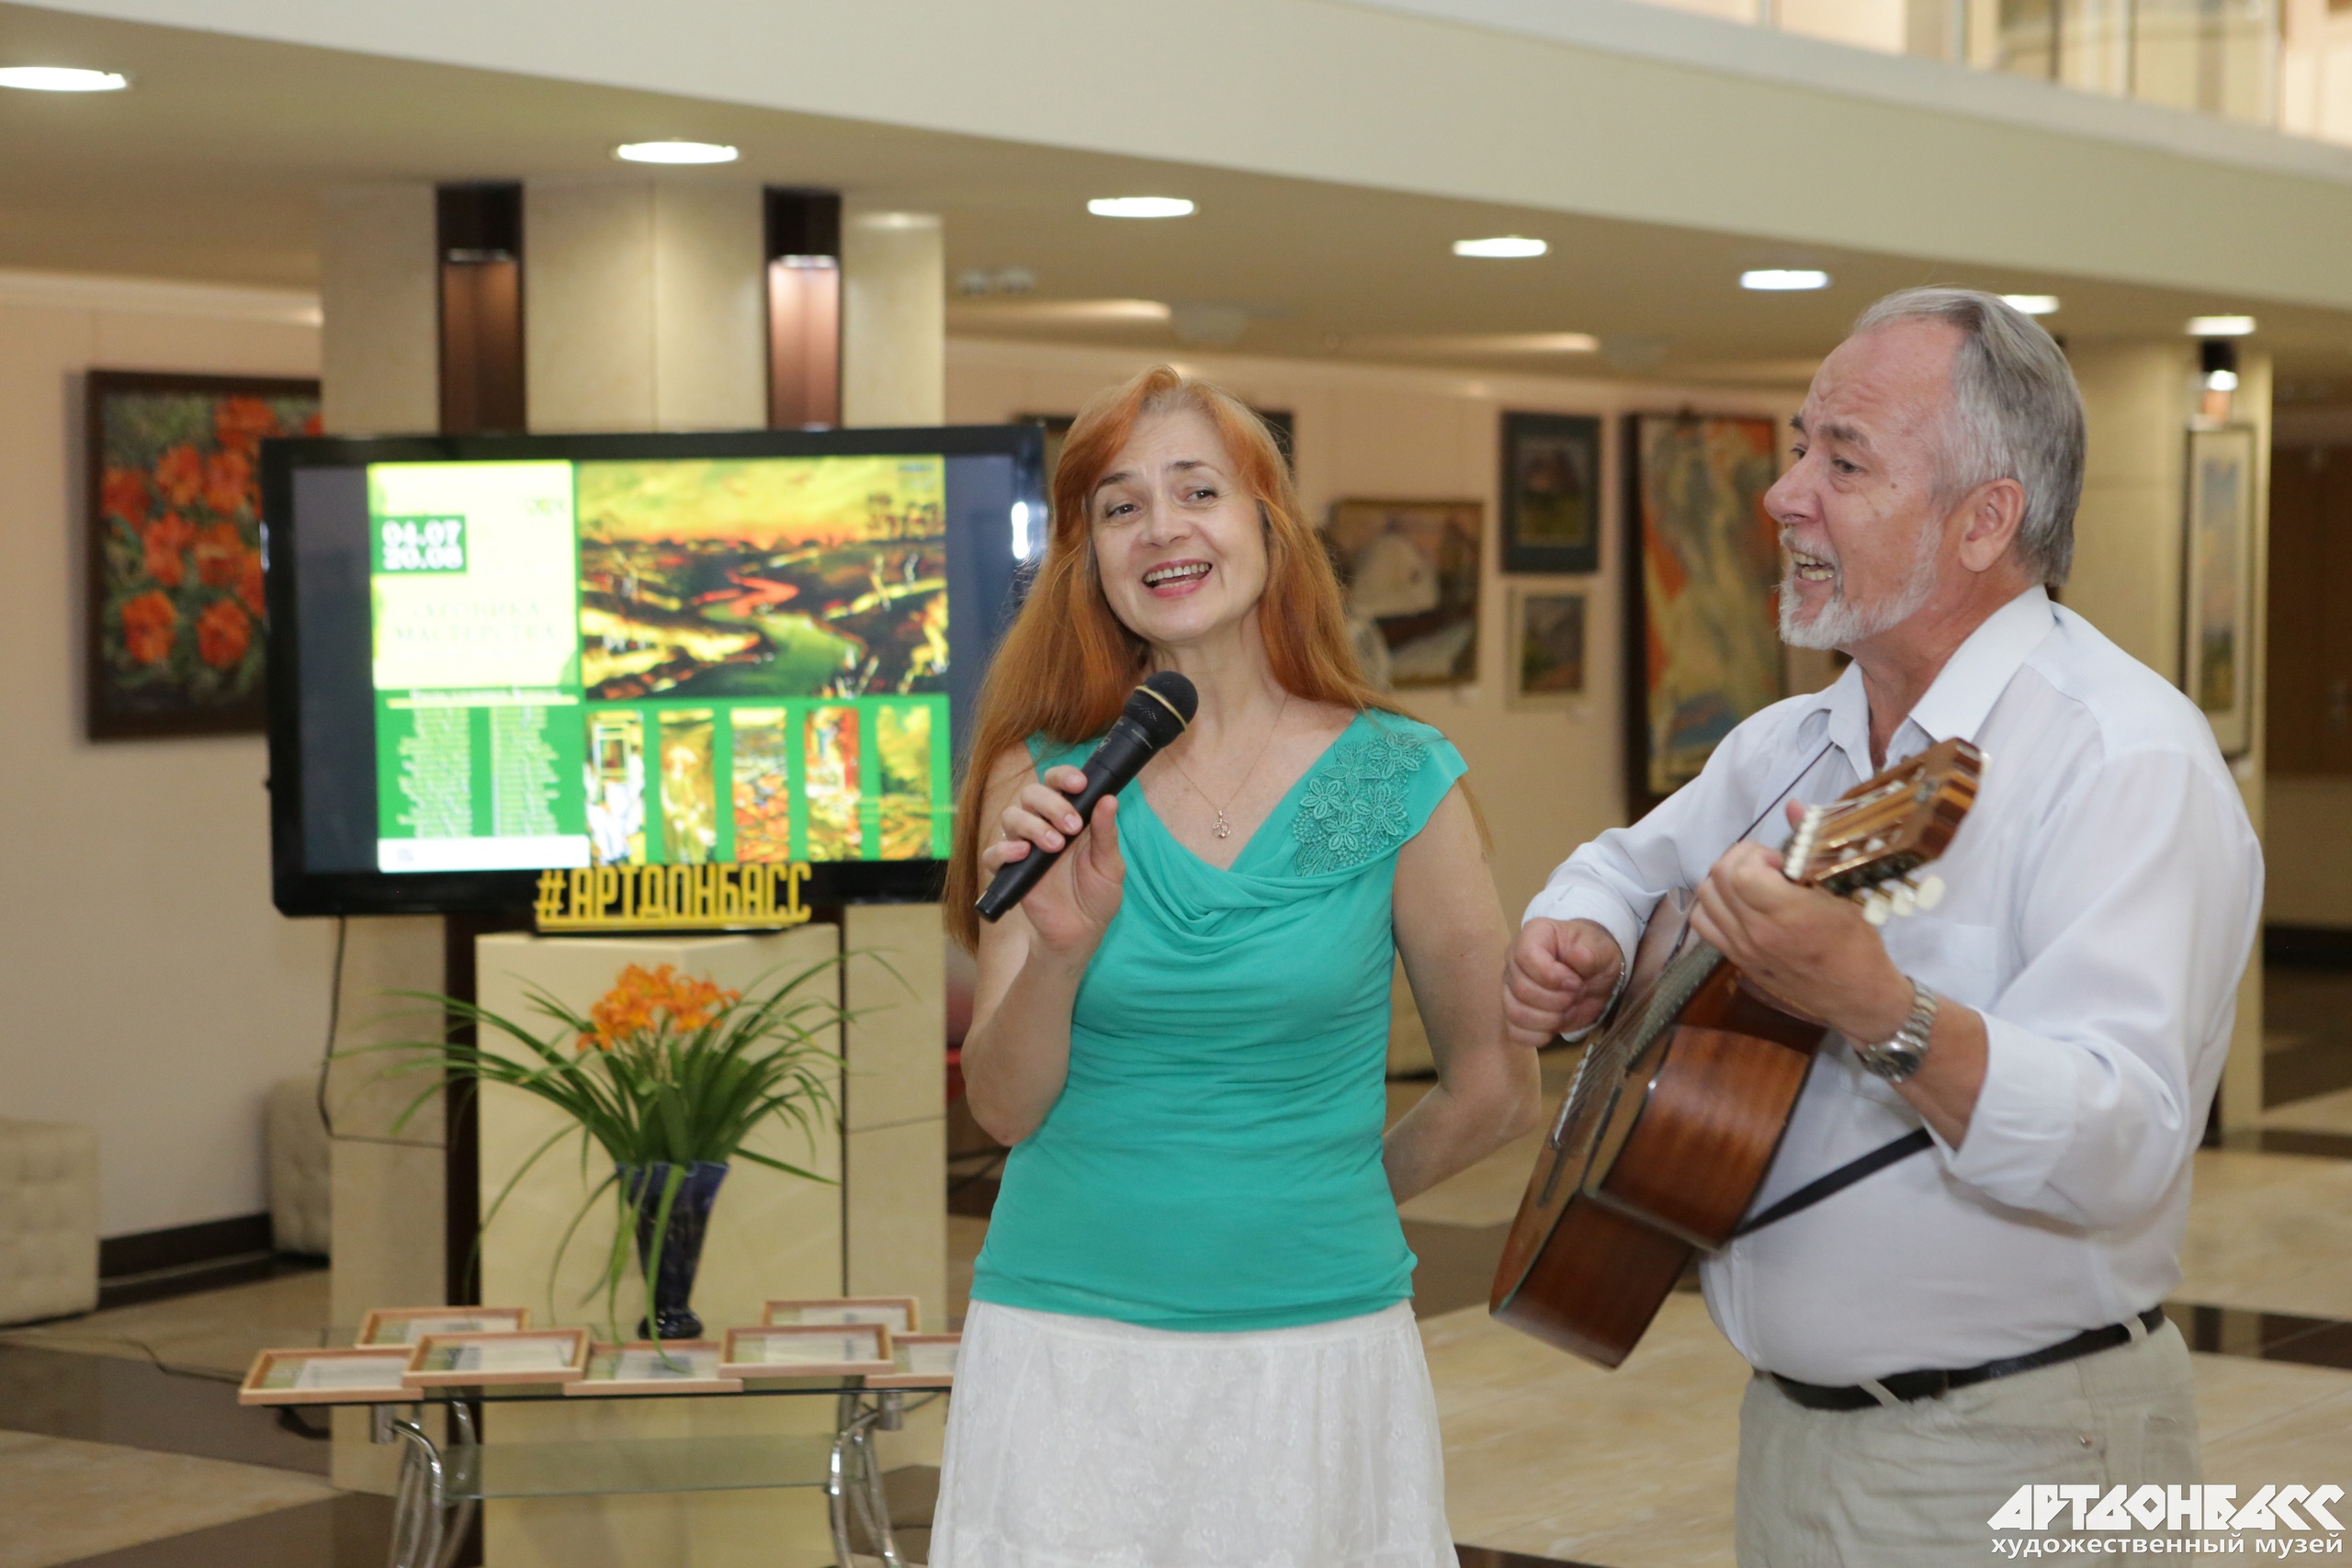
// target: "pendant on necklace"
[[1224, 829]]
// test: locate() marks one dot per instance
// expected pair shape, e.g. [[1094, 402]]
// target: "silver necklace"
[[1224, 829]]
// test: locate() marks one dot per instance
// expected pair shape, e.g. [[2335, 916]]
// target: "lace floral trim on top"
[[1355, 809]]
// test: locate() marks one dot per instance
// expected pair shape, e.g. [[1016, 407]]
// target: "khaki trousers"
[[1917, 1483]]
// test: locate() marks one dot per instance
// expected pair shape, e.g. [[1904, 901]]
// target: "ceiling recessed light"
[[675, 153], [1140, 207], [1500, 245], [61, 79], [1781, 278], [2032, 304], [2219, 326]]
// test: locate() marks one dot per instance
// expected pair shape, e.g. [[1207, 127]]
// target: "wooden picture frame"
[[923, 1361], [1551, 492], [174, 630], [900, 1314], [522, 1356], [645, 1366], [1409, 572], [405, 1326], [827, 1350], [1544, 661], [1703, 573], [337, 1374], [2217, 630]]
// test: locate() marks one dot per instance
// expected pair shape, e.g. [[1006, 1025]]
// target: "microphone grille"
[[1163, 706]]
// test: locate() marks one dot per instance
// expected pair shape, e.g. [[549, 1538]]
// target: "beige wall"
[[154, 994], [1548, 781]]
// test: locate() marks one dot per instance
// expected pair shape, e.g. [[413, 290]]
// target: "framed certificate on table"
[[807, 1350], [675, 1366], [923, 1361], [466, 1360], [340, 1375], [406, 1326]]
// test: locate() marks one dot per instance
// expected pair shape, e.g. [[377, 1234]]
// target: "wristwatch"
[[1901, 1056]]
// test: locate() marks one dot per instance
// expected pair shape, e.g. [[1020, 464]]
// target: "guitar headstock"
[[1870, 842]]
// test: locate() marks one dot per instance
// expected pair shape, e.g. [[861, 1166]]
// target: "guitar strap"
[[1837, 1180]]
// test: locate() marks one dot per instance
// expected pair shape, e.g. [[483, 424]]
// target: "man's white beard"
[[1844, 622]]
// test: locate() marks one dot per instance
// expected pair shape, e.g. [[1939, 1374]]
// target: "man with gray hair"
[[1983, 1316]]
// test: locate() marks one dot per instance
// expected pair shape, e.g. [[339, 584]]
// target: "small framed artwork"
[[1409, 572], [1702, 636], [1547, 649], [406, 1326], [807, 1350], [174, 636], [339, 1375], [674, 1366], [1551, 492], [923, 1360], [2217, 584], [466, 1360], [900, 1314]]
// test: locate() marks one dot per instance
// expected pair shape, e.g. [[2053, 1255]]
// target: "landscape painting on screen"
[[762, 578]]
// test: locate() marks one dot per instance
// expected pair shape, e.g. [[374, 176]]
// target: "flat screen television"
[[493, 656]]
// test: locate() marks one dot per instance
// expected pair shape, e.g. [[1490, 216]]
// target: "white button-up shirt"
[[2102, 898]]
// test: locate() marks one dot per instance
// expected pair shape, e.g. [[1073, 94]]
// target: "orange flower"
[[220, 554], [149, 626], [249, 586], [179, 474], [228, 483], [239, 423], [123, 493], [222, 634], [165, 537], [655, 1001]]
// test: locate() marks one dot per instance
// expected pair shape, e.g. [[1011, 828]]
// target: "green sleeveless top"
[[1214, 1160]]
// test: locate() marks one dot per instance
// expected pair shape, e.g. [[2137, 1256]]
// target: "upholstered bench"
[[49, 1220]]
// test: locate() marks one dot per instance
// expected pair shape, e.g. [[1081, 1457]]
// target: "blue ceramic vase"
[[674, 1281]]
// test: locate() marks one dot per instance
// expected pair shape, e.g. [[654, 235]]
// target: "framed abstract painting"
[[2217, 584], [1703, 647], [1547, 649], [173, 637], [1409, 572]]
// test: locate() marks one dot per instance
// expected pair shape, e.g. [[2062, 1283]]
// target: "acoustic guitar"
[[1678, 1108]]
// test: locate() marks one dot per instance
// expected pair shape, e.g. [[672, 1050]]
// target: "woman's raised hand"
[[1071, 907]]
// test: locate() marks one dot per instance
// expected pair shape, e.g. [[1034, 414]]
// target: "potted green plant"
[[670, 1075]]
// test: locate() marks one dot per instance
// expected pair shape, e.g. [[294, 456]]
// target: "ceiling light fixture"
[[1140, 207], [1775, 279], [1501, 247], [61, 79], [2032, 304], [2219, 326], [675, 153]]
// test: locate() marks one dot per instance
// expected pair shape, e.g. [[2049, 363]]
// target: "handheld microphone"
[[1155, 715]]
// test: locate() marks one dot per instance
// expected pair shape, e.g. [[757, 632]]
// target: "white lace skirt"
[[1079, 1442]]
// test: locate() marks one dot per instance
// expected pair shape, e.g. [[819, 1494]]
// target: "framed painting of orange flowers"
[[176, 633]]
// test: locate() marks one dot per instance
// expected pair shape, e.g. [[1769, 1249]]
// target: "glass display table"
[[440, 1487]]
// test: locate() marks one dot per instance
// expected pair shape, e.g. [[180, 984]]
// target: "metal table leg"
[[854, 1478], [428, 1528]]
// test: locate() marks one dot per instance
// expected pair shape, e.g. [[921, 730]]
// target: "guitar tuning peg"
[[1876, 907], [1928, 891], [1905, 900]]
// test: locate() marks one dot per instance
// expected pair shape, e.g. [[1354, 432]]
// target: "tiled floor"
[[1549, 1460]]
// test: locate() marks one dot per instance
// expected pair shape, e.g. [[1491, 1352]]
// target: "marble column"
[[894, 320]]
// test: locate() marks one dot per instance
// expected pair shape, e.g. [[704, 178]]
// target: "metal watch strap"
[[1900, 1058]]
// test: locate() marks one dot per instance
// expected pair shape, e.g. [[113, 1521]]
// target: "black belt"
[[1907, 1386]]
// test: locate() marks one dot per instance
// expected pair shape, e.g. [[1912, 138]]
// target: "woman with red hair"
[[1189, 1340]]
